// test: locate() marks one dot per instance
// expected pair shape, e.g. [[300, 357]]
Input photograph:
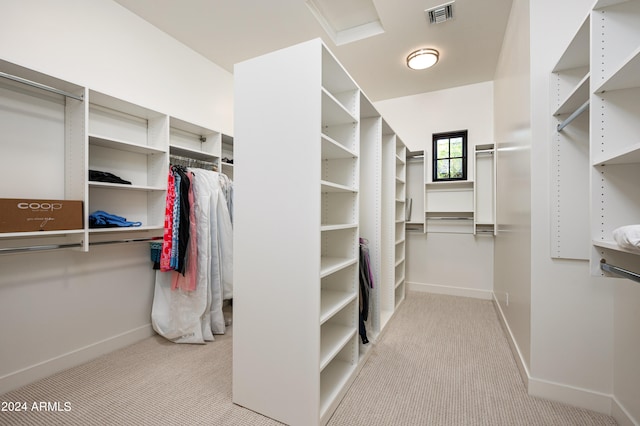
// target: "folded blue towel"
[[102, 219]]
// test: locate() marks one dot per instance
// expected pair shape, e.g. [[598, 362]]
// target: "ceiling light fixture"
[[422, 59]]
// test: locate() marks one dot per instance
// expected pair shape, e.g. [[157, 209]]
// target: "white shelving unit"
[[462, 206], [227, 162], [299, 226], [382, 215], [399, 157], [596, 155], [195, 142], [569, 88], [484, 199], [130, 142], [43, 131], [62, 130], [614, 129]]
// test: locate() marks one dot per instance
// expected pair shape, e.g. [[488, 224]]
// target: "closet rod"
[[42, 86], [13, 250], [190, 160], [619, 271], [573, 116]]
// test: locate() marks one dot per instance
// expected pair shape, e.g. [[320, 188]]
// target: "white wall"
[[58, 309], [571, 313], [102, 45], [512, 265], [430, 264]]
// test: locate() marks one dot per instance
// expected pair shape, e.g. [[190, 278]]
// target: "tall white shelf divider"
[[569, 92], [298, 226]]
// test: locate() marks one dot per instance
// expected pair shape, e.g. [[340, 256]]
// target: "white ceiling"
[[230, 31]]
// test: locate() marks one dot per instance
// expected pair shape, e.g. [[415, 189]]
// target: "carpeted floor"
[[443, 360]]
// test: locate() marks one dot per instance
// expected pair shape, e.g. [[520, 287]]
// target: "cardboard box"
[[27, 215]]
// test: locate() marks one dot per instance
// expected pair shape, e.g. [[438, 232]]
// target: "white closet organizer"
[[131, 142], [462, 207], [399, 157], [227, 162], [191, 141], [57, 131], [484, 190], [382, 215], [569, 95], [308, 141], [43, 150], [614, 130]]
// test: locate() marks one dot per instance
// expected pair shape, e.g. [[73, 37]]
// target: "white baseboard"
[[577, 397], [74, 358], [515, 349], [451, 291], [622, 416]]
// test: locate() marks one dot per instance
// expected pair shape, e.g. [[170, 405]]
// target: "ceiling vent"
[[439, 14]]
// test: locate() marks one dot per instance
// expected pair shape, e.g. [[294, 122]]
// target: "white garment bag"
[[194, 316]]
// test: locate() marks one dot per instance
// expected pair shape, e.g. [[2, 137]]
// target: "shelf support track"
[[41, 86], [619, 271], [573, 116]]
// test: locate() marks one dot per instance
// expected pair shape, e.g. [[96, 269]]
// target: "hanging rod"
[[573, 116], [132, 240], [13, 250], [190, 160], [42, 86], [619, 271]]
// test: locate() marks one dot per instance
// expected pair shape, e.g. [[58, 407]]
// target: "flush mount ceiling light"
[[422, 59]]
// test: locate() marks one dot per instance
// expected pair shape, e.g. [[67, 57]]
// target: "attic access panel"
[[346, 21]]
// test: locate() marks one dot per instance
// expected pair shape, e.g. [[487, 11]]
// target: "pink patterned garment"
[[167, 241], [188, 281]]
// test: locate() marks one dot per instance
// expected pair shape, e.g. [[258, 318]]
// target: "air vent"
[[440, 13]]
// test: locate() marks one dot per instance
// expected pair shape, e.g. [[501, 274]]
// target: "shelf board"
[[334, 227], [329, 265], [191, 153], [576, 55], [224, 164], [327, 186], [332, 149], [106, 142], [120, 186], [629, 155], [333, 112], [399, 282], [125, 229], [399, 180], [612, 245], [332, 302], [626, 76], [399, 160], [576, 98], [462, 184], [334, 338]]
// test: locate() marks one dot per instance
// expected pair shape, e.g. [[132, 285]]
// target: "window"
[[450, 156]]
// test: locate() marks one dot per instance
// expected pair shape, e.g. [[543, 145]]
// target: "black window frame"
[[449, 135]]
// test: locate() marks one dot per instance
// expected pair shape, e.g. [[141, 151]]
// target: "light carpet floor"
[[442, 360]]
